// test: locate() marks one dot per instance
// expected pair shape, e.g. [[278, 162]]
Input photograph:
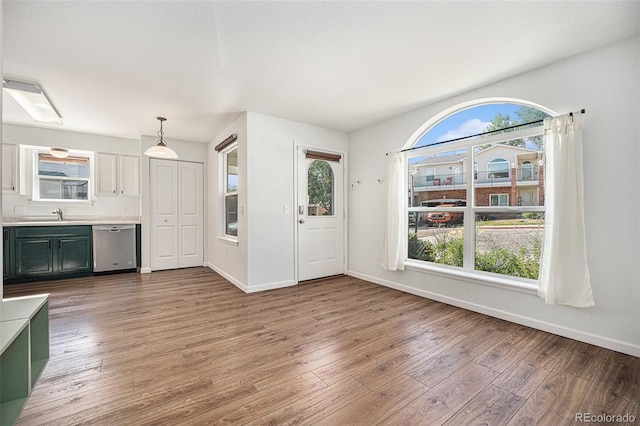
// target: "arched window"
[[320, 188], [477, 221], [498, 168], [527, 170]]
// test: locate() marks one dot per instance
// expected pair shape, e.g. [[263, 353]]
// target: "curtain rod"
[[480, 134]]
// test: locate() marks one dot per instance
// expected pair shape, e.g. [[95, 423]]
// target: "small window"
[[320, 189], [230, 193], [62, 179], [499, 200]]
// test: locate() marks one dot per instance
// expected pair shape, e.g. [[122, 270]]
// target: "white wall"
[[187, 151], [265, 256], [111, 206], [228, 259], [271, 182], [605, 82]]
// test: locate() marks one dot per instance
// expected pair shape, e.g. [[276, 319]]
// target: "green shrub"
[[416, 247], [525, 262], [533, 215], [449, 250]]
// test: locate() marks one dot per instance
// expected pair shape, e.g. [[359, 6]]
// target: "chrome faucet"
[[59, 213]]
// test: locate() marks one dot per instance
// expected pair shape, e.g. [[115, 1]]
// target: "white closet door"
[[163, 184], [191, 220], [177, 214]]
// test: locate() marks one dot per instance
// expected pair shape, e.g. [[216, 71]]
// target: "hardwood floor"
[[187, 347]]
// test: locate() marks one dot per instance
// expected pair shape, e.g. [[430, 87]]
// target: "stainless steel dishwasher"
[[114, 247]]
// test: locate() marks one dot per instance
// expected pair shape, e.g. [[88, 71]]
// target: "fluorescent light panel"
[[33, 100]]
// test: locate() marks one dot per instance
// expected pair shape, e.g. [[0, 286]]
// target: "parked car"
[[444, 218]]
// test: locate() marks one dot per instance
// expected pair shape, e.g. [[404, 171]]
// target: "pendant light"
[[160, 149]]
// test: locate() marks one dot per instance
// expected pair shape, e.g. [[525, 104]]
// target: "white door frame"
[[296, 203]]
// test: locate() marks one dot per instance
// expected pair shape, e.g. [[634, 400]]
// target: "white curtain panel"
[[393, 251], [564, 274]]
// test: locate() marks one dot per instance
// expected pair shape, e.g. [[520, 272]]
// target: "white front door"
[[320, 214], [176, 214]]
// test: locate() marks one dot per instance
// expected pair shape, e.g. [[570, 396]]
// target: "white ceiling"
[[111, 67]]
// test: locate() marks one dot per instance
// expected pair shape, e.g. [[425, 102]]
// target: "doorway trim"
[[296, 202]]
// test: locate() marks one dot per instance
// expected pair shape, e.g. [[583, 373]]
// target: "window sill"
[[228, 240], [499, 281]]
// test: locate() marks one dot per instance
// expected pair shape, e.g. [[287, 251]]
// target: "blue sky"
[[468, 122]]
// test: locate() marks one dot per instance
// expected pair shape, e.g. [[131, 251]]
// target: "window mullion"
[[469, 217]]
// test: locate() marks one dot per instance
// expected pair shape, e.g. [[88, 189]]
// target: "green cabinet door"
[[74, 254], [47, 252], [34, 256], [6, 253]]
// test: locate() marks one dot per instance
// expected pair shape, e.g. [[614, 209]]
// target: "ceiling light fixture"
[[59, 152], [33, 100], [160, 149]]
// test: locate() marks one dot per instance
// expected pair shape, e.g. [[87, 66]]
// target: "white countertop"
[[22, 307], [68, 221]]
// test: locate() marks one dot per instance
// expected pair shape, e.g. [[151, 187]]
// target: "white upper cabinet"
[[9, 168], [129, 175], [117, 175], [106, 174]]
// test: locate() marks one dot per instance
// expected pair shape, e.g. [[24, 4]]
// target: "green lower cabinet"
[[74, 254], [34, 256], [40, 252], [6, 251]]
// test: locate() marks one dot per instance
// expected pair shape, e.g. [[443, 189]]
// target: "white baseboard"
[[252, 289], [145, 270], [271, 286], [593, 339], [228, 277]]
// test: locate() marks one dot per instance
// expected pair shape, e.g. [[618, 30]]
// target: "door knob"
[[301, 220]]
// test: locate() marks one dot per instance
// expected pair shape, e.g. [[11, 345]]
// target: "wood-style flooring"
[[187, 347]]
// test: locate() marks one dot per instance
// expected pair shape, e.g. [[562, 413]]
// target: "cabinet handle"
[[114, 191]]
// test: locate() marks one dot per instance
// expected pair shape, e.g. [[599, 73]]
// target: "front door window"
[[320, 189]]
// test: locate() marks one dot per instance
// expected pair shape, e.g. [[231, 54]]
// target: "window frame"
[[528, 166], [499, 195], [225, 194], [498, 162], [36, 178], [468, 271]]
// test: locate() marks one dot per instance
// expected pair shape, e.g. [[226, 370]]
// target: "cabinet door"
[[106, 174], [129, 175], [74, 254], [6, 261], [34, 256], [9, 168]]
